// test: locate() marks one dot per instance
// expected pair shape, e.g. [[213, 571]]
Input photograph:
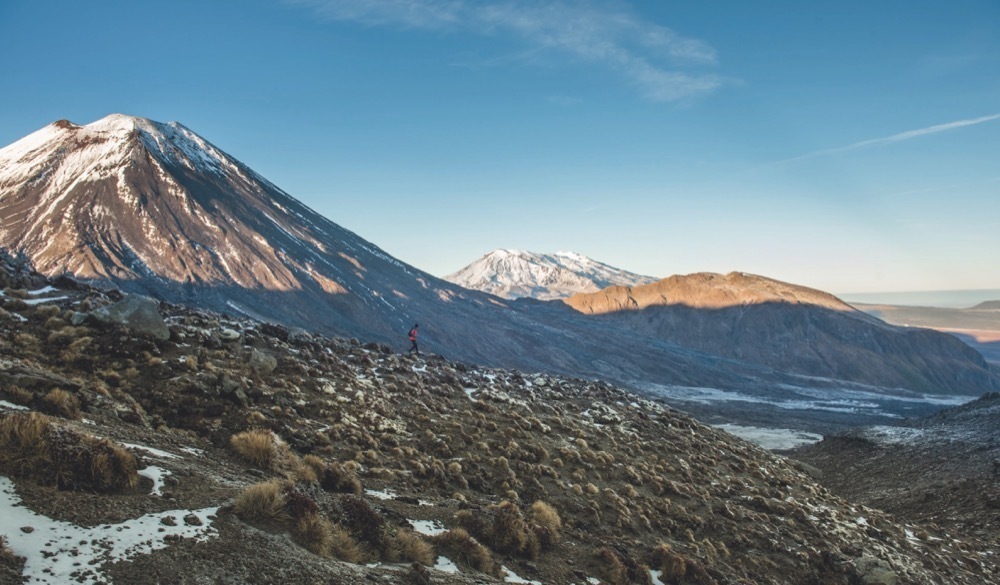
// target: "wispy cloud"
[[662, 64], [901, 137]]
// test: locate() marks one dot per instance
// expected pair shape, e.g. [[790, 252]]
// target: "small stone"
[[168, 521], [192, 520], [227, 334], [27, 529]]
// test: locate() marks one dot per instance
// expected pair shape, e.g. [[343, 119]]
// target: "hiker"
[[413, 339]]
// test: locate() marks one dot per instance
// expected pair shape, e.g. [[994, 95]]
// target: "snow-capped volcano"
[[126, 197], [513, 274], [156, 208]]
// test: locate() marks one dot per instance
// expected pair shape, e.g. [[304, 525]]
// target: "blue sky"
[[852, 147]]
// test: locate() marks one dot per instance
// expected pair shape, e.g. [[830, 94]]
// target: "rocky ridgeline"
[[330, 460]]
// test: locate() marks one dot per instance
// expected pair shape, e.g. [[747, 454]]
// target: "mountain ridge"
[[164, 213]]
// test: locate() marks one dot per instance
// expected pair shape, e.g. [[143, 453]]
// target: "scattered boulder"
[[875, 571], [261, 363], [137, 313]]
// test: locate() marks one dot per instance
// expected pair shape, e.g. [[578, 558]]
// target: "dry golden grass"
[[263, 502], [343, 547], [546, 524], [7, 556], [672, 565], [23, 447], [61, 403], [31, 446], [612, 569], [414, 548], [19, 395], [84, 462], [26, 341], [545, 515], [465, 550], [257, 446], [314, 532]]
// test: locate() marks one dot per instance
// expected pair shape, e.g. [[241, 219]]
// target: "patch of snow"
[[445, 564], [469, 392], [773, 439], [428, 527], [152, 451], [512, 577], [42, 291], [654, 576], [156, 474], [44, 300], [61, 552], [11, 406], [380, 494]]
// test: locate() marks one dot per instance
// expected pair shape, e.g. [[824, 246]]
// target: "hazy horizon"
[[948, 299]]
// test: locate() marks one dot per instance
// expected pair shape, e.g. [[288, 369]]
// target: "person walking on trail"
[[413, 340]]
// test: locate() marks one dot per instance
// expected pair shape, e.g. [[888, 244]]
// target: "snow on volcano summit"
[[514, 274]]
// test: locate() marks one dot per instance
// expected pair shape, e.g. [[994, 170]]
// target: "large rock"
[[139, 314]]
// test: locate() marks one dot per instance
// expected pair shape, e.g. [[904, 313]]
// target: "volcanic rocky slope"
[[154, 208], [514, 274], [942, 470], [790, 328], [302, 458]]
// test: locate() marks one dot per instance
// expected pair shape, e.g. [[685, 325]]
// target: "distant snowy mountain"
[[514, 274]]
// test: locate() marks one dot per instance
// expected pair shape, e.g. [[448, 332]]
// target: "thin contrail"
[[902, 136]]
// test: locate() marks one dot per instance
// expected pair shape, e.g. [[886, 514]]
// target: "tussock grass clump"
[[612, 569], [258, 446], [546, 524], [334, 477], [343, 547], [7, 556], [18, 395], [366, 525], [465, 550], [31, 446], [503, 528], [84, 462], [61, 403], [262, 502], [314, 532], [23, 449], [281, 504], [414, 548], [673, 566]]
